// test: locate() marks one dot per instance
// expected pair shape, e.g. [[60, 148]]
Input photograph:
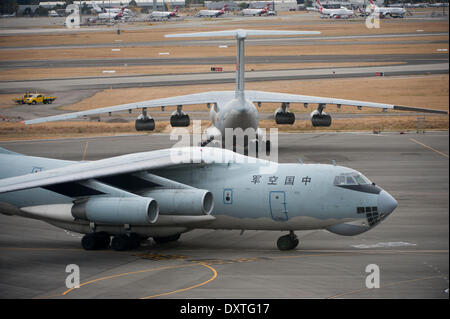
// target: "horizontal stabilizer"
[[239, 33]]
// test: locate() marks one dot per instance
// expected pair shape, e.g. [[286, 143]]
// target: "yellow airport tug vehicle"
[[34, 98]]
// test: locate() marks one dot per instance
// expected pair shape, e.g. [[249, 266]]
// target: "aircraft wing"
[[84, 171], [259, 96], [198, 98]]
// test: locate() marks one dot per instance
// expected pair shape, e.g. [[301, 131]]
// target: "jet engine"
[[191, 201], [144, 123], [284, 117], [117, 211], [320, 118], [179, 119]]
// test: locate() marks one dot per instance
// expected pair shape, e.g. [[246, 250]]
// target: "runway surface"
[[266, 41], [57, 85], [410, 247]]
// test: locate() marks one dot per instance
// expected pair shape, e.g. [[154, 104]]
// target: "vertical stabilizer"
[[240, 35]]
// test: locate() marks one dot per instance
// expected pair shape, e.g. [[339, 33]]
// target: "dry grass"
[[57, 73]]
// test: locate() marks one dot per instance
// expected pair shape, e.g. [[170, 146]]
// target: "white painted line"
[[109, 71], [383, 245], [115, 49], [164, 53], [223, 46]]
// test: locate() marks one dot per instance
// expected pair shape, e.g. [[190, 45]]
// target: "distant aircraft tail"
[[266, 8], [320, 5], [96, 7]]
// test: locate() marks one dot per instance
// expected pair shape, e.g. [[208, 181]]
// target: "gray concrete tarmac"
[[410, 247]]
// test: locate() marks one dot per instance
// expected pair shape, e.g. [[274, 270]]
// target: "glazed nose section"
[[386, 203]]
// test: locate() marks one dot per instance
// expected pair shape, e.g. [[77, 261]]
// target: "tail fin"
[[96, 7], [320, 5], [240, 36]]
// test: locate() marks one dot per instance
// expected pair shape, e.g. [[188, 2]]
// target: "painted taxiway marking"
[[150, 270], [214, 276], [429, 147]]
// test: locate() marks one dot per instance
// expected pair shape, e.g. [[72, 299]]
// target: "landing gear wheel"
[[288, 242], [120, 243], [95, 241], [163, 240], [135, 240], [103, 240], [89, 242]]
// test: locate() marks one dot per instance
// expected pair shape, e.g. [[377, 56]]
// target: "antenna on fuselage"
[[240, 35]]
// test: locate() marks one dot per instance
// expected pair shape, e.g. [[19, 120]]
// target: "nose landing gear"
[[288, 242]]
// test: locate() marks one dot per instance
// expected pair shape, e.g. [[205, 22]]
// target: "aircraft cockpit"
[[353, 178]]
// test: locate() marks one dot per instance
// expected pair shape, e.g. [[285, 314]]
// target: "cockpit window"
[[351, 179]]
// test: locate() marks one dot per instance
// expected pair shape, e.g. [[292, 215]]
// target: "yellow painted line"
[[214, 276], [388, 285], [429, 147], [127, 274]]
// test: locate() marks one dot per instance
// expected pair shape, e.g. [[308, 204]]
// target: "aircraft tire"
[[135, 240], [287, 242], [103, 240], [163, 240], [89, 242], [120, 243]]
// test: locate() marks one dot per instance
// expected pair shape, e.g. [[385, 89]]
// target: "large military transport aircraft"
[[233, 109], [165, 193]]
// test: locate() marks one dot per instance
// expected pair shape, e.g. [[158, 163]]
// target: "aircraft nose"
[[386, 203]]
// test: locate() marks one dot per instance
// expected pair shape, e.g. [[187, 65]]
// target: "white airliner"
[[212, 13], [385, 11], [111, 15], [341, 13], [256, 12], [233, 109], [110, 11], [164, 14]]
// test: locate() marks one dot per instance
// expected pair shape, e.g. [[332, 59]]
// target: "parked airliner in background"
[[164, 14], [341, 13], [233, 109], [111, 15], [385, 11], [165, 193], [212, 13], [112, 11], [256, 12]]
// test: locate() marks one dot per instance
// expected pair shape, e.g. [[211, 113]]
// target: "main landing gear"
[[288, 242], [102, 240]]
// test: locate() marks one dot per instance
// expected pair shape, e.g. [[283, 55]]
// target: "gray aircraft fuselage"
[[256, 195]]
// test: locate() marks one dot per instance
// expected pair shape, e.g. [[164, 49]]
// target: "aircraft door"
[[277, 203]]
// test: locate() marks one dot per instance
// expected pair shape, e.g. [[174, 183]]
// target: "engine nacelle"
[[179, 119], [144, 123], [320, 119], [183, 201], [284, 117], [117, 211]]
